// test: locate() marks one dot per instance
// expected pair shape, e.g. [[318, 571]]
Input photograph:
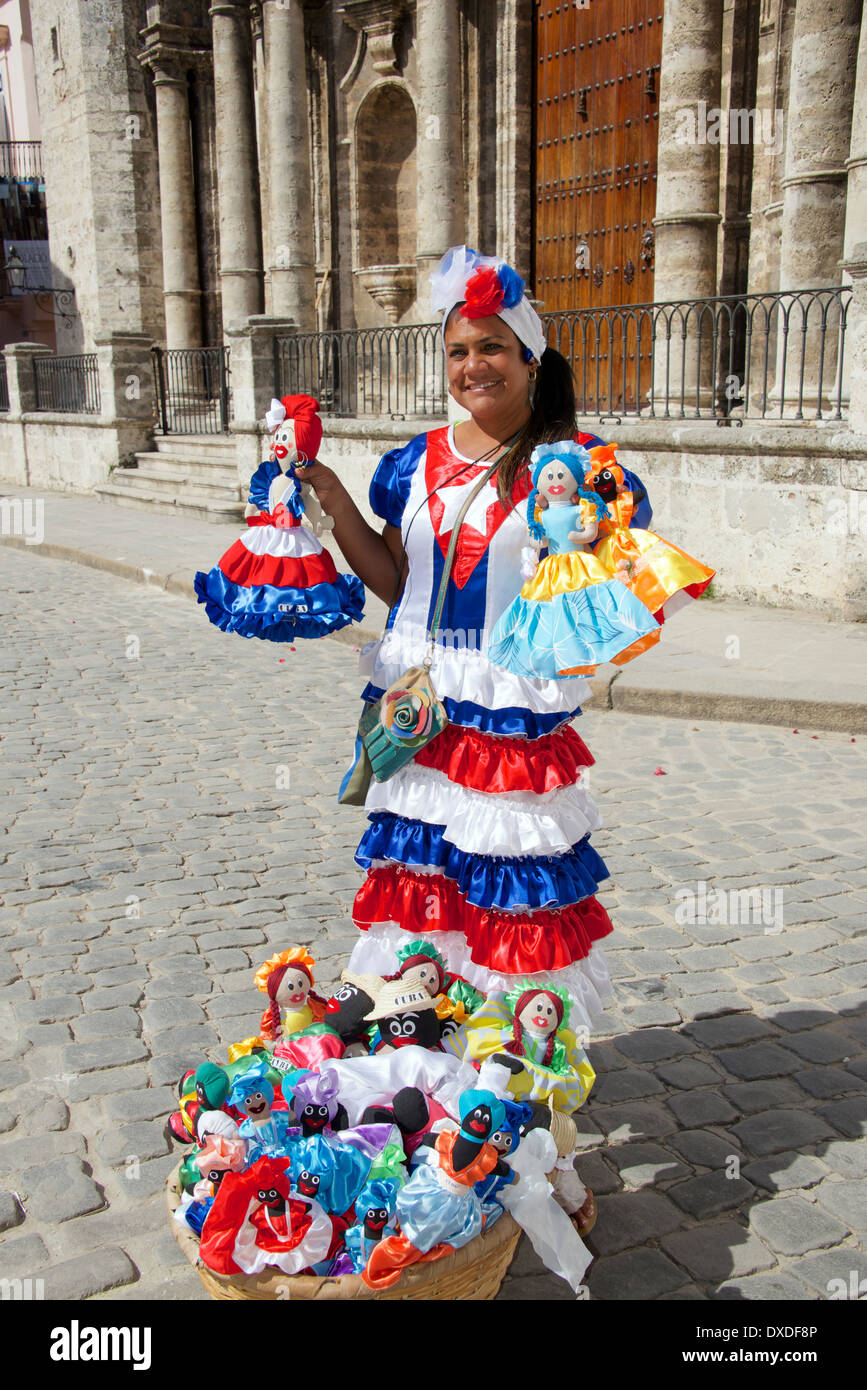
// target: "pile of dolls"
[[387, 1125]]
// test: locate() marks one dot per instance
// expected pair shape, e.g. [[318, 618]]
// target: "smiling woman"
[[480, 844]]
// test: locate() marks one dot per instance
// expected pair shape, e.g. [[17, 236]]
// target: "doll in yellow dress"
[[529, 1025], [657, 572], [573, 613], [287, 979]]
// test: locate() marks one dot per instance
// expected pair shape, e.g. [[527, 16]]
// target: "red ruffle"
[[242, 567], [507, 942], [488, 763]]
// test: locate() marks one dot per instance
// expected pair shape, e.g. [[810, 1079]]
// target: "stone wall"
[[67, 454], [780, 513], [100, 167]]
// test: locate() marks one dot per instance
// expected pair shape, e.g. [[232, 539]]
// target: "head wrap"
[[303, 410], [484, 286], [468, 1102], [378, 1192], [316, 1090], [253, 1079], [421, 952]]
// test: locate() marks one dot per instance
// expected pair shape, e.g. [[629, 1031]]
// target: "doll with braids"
[[287, 979], [573, 613]]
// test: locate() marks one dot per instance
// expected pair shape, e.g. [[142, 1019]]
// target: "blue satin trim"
[[486, 881], [255, 611], [509, 722], [260, 484]]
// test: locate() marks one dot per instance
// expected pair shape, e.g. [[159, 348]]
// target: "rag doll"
[[277, 582], [573, 614], [287, 979]]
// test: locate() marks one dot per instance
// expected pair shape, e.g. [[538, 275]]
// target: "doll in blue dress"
[[573, 613]]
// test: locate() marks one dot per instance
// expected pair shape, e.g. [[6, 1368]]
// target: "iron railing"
[[192, 390], [396, 372], [68, 385], [4, 385], [21, 160], [760, 356], [778, 355]]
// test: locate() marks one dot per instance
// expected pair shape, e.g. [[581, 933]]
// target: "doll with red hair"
[[287, 979], [528, 1029], [277, 582]]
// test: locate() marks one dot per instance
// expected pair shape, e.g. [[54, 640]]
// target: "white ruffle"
[[587, 981], [363, 1081], [463, 673], [509, 825], [291, 543]]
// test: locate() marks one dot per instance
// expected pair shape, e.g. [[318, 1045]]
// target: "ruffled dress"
[[481, 844], [574, 613], [661, 575], [277, 582]]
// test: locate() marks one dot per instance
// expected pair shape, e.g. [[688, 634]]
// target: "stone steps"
[[188, 474]]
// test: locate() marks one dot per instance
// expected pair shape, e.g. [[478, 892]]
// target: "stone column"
[[292, 268], [22, 398], [127, 392], [182, 291], [817, 136], [856, 164], [439, 153], [241, 279], [687, 193], [253, 384], [856, 337]]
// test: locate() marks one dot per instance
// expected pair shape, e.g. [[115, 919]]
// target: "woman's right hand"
[[324, 482]]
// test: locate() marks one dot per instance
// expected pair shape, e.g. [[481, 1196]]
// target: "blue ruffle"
[[581, 627], [486, 881], [509, 722], [256, 612]]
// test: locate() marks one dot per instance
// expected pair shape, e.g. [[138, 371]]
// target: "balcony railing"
[[68, 385], [763, 356], [21, 160]]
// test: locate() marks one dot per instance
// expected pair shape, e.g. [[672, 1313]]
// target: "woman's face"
[[487, 373]]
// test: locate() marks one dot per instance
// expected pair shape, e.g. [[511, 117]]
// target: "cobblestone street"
[[170, 820]]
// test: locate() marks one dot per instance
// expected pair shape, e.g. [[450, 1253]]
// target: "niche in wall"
[[385, 139]]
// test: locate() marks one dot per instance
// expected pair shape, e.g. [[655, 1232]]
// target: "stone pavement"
[[718, 660], [169, 820]]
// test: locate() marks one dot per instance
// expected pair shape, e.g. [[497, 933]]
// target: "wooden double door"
[[596, 103]]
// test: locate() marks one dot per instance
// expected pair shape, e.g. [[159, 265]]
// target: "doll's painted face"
[[308, 1183], [606, 483], [538, 1016], [270, 1197], [426, 976], [375, 1219], [285, 447], [257, 1106], [558, 483], [293, 990], [502, 1141], [314, 1118]]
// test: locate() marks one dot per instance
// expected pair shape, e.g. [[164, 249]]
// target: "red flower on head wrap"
[[484, 294]]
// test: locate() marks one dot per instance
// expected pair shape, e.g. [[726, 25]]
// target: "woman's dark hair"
[[553, 417]]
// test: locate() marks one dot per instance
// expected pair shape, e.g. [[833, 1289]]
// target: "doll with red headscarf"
[[277, 582], [528, 1029]]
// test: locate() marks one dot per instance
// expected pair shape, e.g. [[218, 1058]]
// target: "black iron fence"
[[762, 356], [396, 372], [192, 390], [21, 160], [759, 356], [69, 385], [4, 385]]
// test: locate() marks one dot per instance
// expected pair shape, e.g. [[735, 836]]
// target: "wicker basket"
[[472, 1274]]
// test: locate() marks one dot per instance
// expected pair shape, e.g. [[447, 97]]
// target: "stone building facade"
[[221, 172]]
